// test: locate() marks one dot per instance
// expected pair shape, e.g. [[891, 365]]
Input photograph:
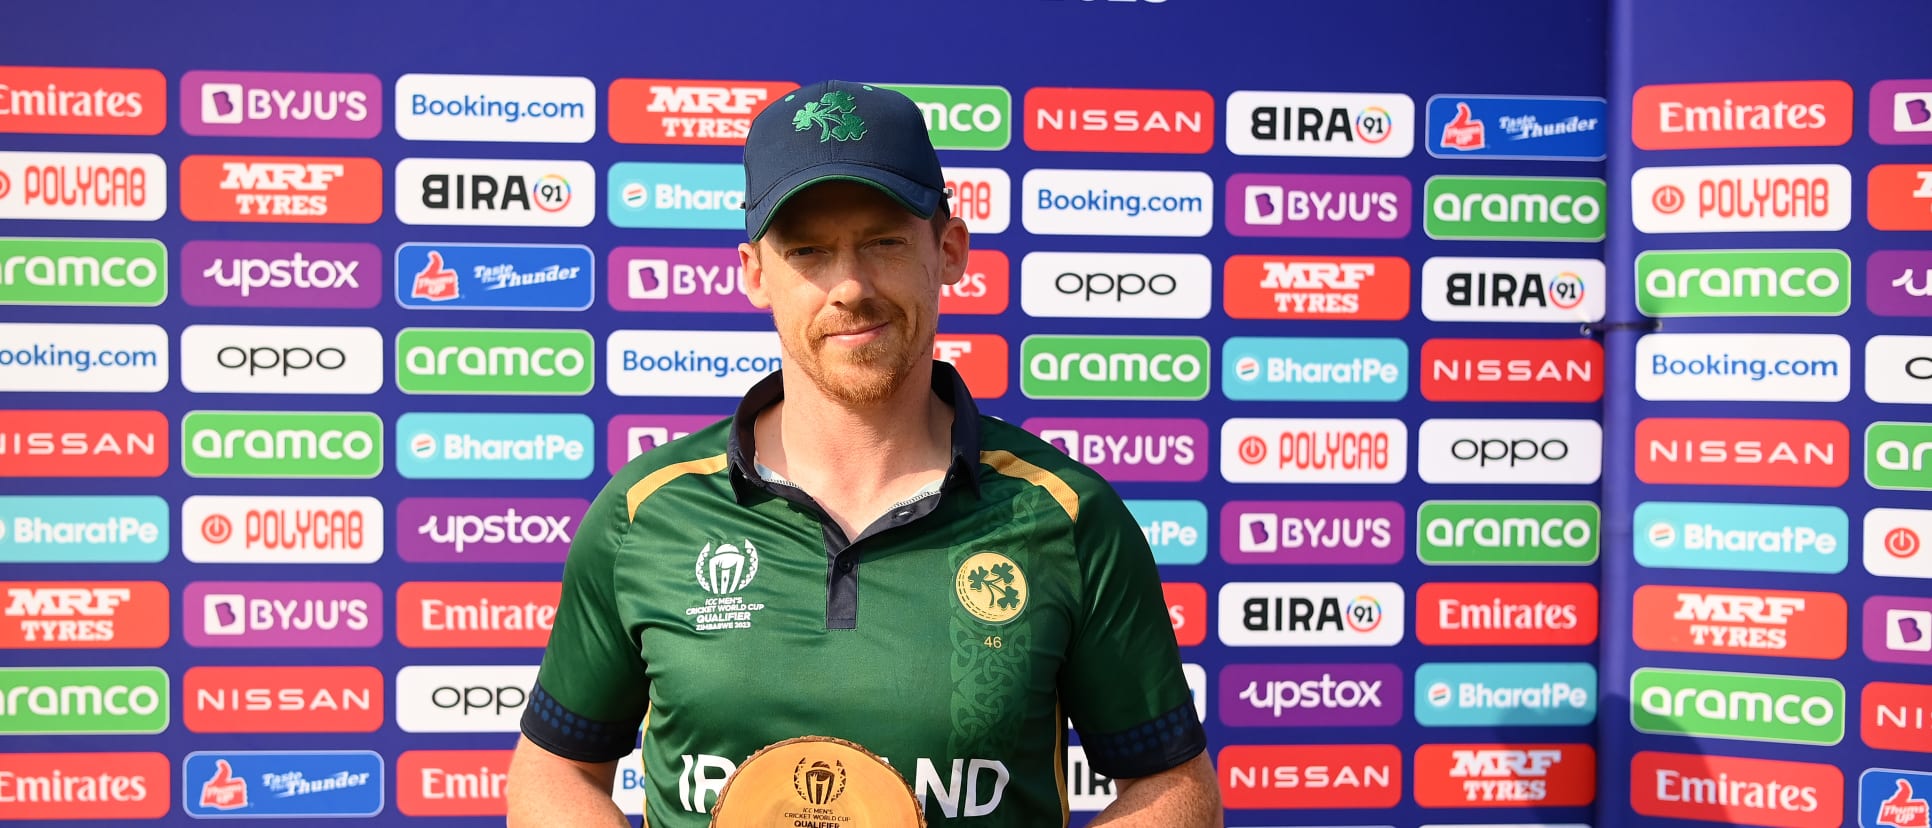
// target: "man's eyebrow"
[[794, 237]]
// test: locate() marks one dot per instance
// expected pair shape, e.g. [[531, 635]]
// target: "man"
[[857, 553]]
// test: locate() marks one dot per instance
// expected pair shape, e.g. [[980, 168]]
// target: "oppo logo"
[[1116, 285]]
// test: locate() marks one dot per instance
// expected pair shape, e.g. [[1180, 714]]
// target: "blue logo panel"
[[677, 196], [301, 783], [1509, 126], [1176, 529], [1327, 370], [1748, 537], [494, 446], [1506, 694], [83, 529], [1893, 798], [495, 276]]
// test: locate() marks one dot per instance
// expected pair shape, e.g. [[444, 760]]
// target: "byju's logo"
[[92, 529], [1737, 199], [282, 614], [494, 446], [707, 112], [1117, 285], [1294, 287], [99, 272], [495, 276], [281, 274], [1312, 532], [281, 104], [1901, 112], [1898, 629], [1363, 614], [631, 435], [677, 196], [84, 185], [1746, 282], [1331, 370], [486, 530], [1319, 206], [1458, 289], [1326, 124], [1503, 126], [678, 280], [1512, 694], [464, 191], [1510, 451], [1311, 695], [1130, 449], [282, 784]]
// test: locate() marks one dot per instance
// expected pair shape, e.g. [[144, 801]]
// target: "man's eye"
[[802, 251]]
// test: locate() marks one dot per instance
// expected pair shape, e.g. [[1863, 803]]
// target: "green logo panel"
[[495, 361], [1899, 456], [290, 444], [1507, 532], [964, 117], [1749, 706], [83, 700], [117, 272], [1057, 367], [1744, 282], [1514, 208]]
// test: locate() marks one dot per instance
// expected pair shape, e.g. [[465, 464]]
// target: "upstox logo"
[[1744, 282], [292, 444], [1507, 532], [1498, 208], [1505, 694], [1331, 370], [495, 361], [103, 272], [1899, 456], [494, 446], [1749, 537], [1753, 707], [676, 196], [83, 700], [963, 117], [1114, 367]]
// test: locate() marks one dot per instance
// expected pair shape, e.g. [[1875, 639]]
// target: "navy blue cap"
[[839, 131]]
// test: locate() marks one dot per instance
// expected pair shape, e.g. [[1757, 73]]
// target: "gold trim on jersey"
[[656, 480], [1009, 464], [1060, 761]]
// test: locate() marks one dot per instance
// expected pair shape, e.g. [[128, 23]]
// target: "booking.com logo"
[[690, 361]]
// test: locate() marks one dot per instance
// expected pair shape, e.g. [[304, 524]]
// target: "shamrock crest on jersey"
[[991, 587]]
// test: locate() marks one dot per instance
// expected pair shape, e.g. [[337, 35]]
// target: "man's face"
[[852, 280]]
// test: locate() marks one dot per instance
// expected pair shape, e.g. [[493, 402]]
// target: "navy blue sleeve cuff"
[[1146, 749], [555, 728]]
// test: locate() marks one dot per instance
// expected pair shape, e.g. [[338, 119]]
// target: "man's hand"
[[1184, 796], [546, 789]]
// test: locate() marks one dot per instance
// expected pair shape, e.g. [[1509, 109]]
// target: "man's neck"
[[857, 461]]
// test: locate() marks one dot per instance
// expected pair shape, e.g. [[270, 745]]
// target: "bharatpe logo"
[[1507, 532], [1744, 282], [1130, 449], [495, 276], [1899, 456], [1328, 370], [963, 117], [89, 272], [1311, 695], [1320, 532], [282, 784], [498, 361], [676, 196], [1503, 126], [50, 701], [1175, 529], [281, 444], [281, 274], [495, 192], [1509, 694], [1514, 208], [1753, 707], [486, 530], [494, 446], [72, 529], [1114, 367], [1745, 537]]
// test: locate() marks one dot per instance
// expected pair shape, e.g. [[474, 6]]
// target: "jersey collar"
[[946, 383]]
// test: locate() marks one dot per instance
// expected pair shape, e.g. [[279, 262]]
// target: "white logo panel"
[[1469, 289], [266, 359], [1743, 198], [462, 699], [1898, 369], [495, 192], [1768, 367], [282, 530], [1116, 203], [1323, 124], [111, 358], [688, 363], [1117, 285], [1898, 543], [982, 197], [523, 108], [1257, 450], [1510, 451], [1325, 614]]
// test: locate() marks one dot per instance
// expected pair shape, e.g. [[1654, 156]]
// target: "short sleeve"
[[1123, 685], [592, 690]]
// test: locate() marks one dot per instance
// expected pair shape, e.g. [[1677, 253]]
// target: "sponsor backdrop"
[[1527, 438]]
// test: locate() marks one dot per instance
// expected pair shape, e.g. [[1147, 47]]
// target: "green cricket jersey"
[[954, 637]]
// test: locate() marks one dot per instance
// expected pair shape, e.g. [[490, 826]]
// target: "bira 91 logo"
[[1747, 537], [1896, 716], [1130, 449], [96, 186], [282, 784], [1506, 614], [629, 436], [1730, 452], [984, 289], [495, 276], [1311, 695], [71, 100], [692, 112], [74, 615], [1899, 197], [1312, 614], [1730, 790], [490, 192], [300, 530], [1752, 114], [1319, 206], [262, 188], [1310, 776], [452, 782], [1889, 798], [282, 699], [1741, 199], [1325, 124], [460, 614], [1798, 710], [1745, 282], [92, 786], [1257, 450], [281, 104], [1312, 532], [1505, 776], [1456, 289], [1062, 119], [486, 530], [678, 280], [1371, 288], [282, 615], [83, 444], [1512, 370], [1739, 622], [980, 360]]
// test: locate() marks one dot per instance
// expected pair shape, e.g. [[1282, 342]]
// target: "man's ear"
[[953, 244], [754, 270]]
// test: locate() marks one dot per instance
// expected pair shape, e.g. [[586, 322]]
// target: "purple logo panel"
[[1313, 532], [1899, 282], [1898, 629], [216, 274], [1319, 206], [1311, 695], [1127, 450], [633, 434], [282, 614], [678, 280], [487, 529], [281, 104], [1902, 112]]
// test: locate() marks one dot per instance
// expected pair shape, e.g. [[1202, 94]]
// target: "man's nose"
[[852, 280]]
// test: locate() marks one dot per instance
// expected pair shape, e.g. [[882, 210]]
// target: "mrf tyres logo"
[[288, 444], [1777, 623], [259, 188], [1505, 775], [1276, 287], [1797, 710], [1114, 367]]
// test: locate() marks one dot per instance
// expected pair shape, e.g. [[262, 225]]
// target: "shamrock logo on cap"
[[834, 115]]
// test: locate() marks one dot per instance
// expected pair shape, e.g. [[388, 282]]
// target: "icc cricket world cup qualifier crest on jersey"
[[723, 571], [991, 587]]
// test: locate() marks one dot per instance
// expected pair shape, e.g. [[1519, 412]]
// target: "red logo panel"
[[1726, 452], [1899, 196], [702, 112], [1497, 613], [979, 358], [83, 444], [65, 100], [1757, 622], [984, 290], [281, 189], [1060, 119], [1512, 370], [451, 782], [1187, 611], [282, 699], [75, 615], [1310, 776], [1734, 791], [1895, 716], [1293, 287], [1750, 114], [117, 786], [465, 614], [1505, 775]]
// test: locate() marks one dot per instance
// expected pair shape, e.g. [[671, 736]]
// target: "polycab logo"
[[1337, 369], [1324, 124], [1255, 450], [982, 197], [496, 446], [1769, 367], [963, 117], [1757, 622], [68, 529], [1456, 289], [517, 108], [677, 280], [1797, 710], [90, 272], [67, 100], [467, 699], [1899, 283], [1507, 614], [1753, 114], [495, 192], [300, 530], [1902, 112], [1889, 798], [458, 614], [283, 784], [1898, 629], [487, 529], [1130, 449], [277, 359], [1117, 285], [217, 274], [1748, 537], [1519, 208], [631, 435], [1731, 452], [1511, 775], [1176, 530], [1373, 288], [1310, 776], [1187, 612], [1899, 197], [1312, 532], [263, 188], [1116, 203], [89, 186], [984, 289], [282, 614], [1514, 694], [980, 360], [676, 196], [1896, 716], [1898, 369], [1741, 199], [452, 782], [1510, 451], [1359, 614], [1504, 126], [281, 104], [83, 444], [1898, 543], [1319, 206], [1062, 119], [1512, 370], [282, 699], [700, 112], [64, 786], [495, 276], [1311, 695], [1745, 282], [75, 615], [1734, 791]]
